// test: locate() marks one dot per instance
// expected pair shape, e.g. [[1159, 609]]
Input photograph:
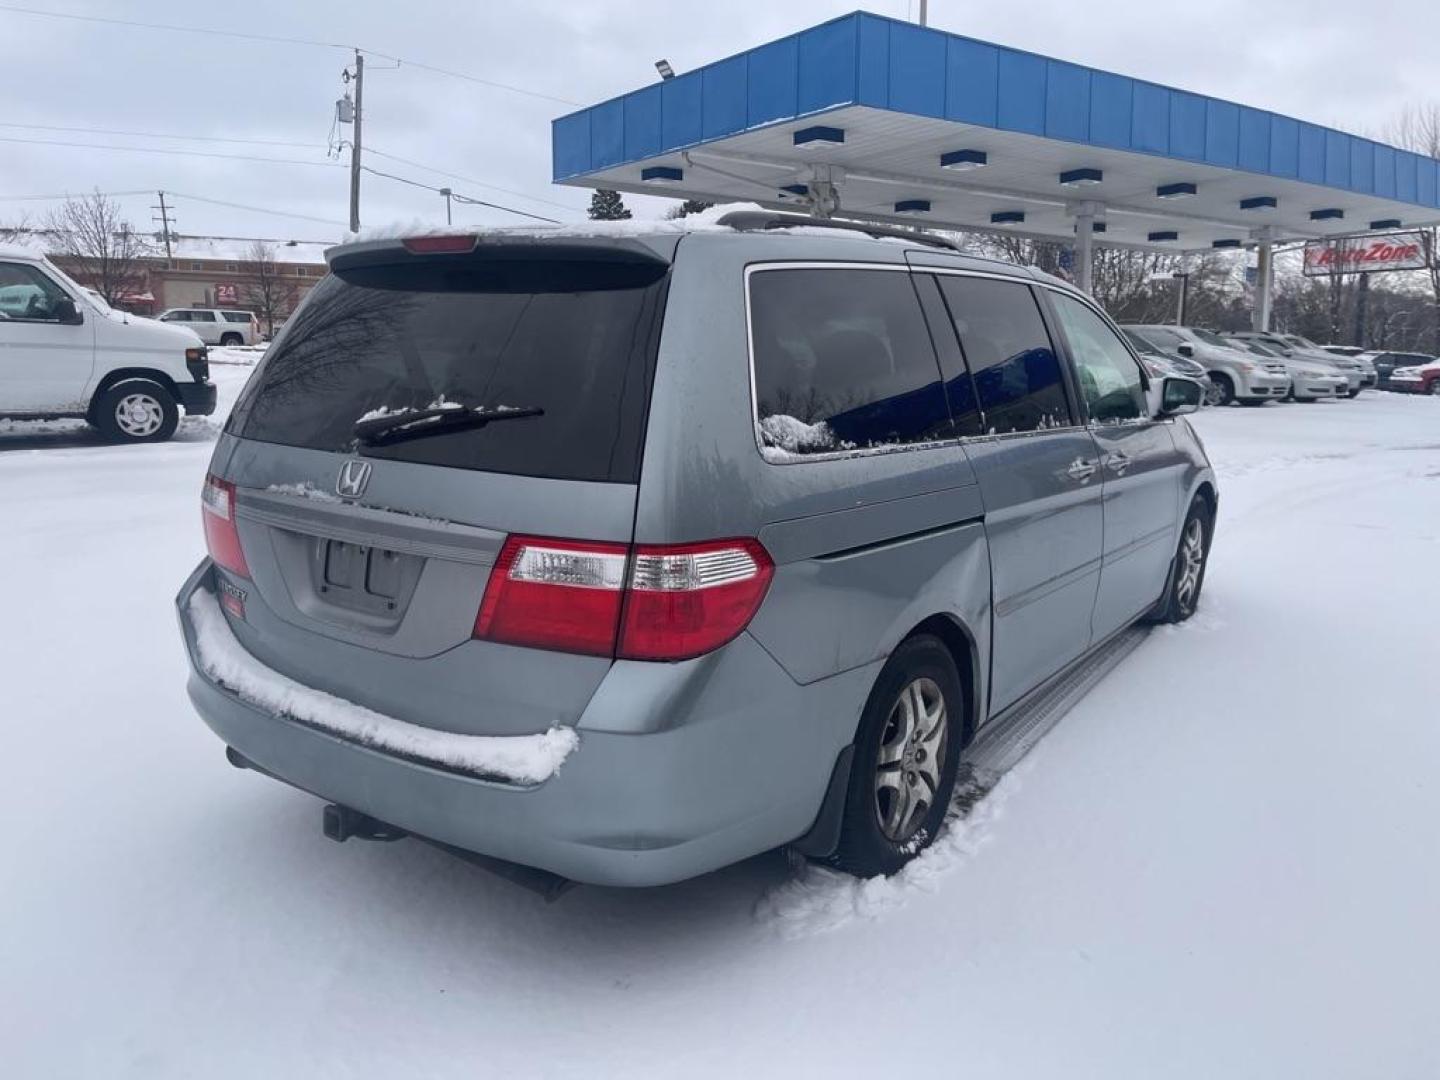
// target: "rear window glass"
[[1018, 380], [574, 339], [237, 316], [843, 361]]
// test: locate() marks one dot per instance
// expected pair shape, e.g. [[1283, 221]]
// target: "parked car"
[[217, 326], [1350, 355], [1159, 363], [1385, 364], [1309, 381], [65, 353], [1292, 345], [1417, 379], [1235, 375], [1343, 350], [630, 557]]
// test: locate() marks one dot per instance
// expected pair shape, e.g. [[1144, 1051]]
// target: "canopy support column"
[[1264, 282], [1085, 214]]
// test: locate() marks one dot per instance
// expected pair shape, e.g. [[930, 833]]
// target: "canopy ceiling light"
[[1175, 191], [1386, 223], [1226, 244], [1163, 236], [662, 174], [1008, 217], [1081, 177], [1260, 202], [817, 138], [960, 160], [1330, 213], [912, 206]]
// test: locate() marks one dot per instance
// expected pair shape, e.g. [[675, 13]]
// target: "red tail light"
[[650, 602], [456, 244], [217, 510]]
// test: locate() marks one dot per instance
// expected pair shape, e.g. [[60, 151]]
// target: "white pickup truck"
[[65, 353]]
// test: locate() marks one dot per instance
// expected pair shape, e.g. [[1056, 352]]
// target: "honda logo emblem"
[[354, 475]]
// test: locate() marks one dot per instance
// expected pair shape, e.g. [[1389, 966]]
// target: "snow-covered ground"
[[1223, 863]]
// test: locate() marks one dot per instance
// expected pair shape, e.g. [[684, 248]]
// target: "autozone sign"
[[1366, 254]]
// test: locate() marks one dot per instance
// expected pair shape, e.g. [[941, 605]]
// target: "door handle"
[[1118, 462], [1080, 470]]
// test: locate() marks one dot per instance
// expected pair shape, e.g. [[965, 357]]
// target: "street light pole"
[[446, 192]]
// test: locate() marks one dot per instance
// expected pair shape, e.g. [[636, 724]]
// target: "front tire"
[[228, 340], [1352, 394], [907, 755], [137, 411], [1222, 390], [1182, 594]]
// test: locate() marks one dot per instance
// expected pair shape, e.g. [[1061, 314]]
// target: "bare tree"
[[1417, 128], [16, 231], [104, 250], [267, 292]]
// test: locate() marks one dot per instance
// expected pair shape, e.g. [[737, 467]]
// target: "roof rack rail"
[[765, 220]]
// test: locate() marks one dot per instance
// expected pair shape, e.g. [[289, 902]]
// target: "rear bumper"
[[744, 770], [197, 398]]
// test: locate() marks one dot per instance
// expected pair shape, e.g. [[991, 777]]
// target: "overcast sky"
[[1351, 65]]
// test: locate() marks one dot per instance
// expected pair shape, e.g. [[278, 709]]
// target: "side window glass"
[[1016, 373], [1110, 380], [26, 293], [843, 361]]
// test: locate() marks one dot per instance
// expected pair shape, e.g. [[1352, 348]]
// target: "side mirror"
[[66, 313], [1186, 350], [1179, 396]]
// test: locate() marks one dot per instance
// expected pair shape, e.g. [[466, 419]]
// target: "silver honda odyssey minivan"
[[625, 557]]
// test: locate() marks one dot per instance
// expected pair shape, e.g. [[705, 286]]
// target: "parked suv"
[[1386, 362], [1234, 374], [217, 326], [628, 558], [64, 352]]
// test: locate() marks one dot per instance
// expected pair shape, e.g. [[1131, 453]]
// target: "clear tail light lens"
[[688, 599], [217, 510], [555, 594], [650, 602]]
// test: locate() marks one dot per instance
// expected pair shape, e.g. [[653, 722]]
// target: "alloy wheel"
[[1192, 561], [912, 754]]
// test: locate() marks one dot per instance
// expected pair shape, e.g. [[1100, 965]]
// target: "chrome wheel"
[[1192, 561], [912, 754], [139, 415]]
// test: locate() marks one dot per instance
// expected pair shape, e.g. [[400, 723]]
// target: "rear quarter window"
[[842, 361], [574, 339]]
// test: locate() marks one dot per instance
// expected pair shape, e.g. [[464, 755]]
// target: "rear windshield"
[[576, 340]]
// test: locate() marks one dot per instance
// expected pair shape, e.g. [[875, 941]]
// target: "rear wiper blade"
[[421, 423]]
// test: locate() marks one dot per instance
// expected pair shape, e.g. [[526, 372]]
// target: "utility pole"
[[355, 142], [447, 193], [164, 222]]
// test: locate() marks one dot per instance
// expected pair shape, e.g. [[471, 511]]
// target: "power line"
[[256, 209], [159, 135], [459, 197], [166, 150], [276, 40], [467, 179], [69, 195]]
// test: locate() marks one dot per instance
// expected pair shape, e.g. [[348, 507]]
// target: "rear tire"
[[228, 340], [1435, 388], [1187, 578], [1222, 390], [907, 755], [136, 411]]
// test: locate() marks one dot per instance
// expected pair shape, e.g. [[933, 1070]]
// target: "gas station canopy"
[[876, 119]]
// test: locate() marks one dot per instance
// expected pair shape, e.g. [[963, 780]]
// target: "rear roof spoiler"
[[497, 246]]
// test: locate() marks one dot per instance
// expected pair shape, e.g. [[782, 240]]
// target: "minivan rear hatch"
[[429, 399]]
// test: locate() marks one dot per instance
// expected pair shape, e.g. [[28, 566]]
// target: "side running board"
[[1001, 744]]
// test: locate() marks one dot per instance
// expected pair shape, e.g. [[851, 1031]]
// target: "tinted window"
[[1017, 374], [1110, 379], [574, 339], [26, 293], [1167, 339], [843, 360], [237, 316]]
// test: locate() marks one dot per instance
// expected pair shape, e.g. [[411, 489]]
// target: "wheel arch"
[[119, 375]]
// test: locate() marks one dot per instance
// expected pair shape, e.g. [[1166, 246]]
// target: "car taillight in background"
[[217, 510], [648, 602]]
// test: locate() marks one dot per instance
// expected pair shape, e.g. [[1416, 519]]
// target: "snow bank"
[[820, 899], [525, 759]]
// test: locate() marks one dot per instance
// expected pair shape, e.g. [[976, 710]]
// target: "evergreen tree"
[[688, 207], [606, 205]]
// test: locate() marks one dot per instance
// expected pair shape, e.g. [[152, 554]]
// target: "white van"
[[66, 353]]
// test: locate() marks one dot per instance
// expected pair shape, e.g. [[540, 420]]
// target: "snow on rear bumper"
[[744, 771]]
